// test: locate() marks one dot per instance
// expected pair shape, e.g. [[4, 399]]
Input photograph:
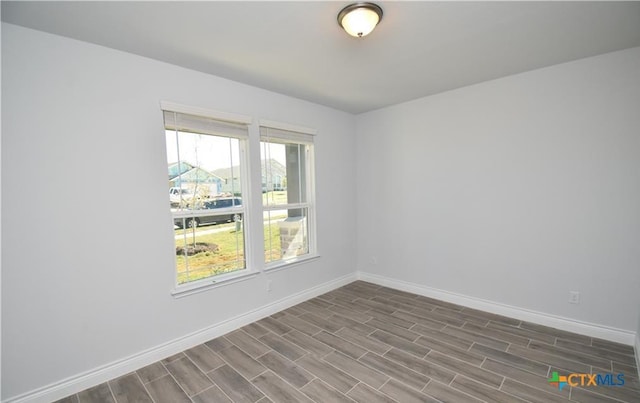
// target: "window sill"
[[208, 284], [196, 287], [281, 265]]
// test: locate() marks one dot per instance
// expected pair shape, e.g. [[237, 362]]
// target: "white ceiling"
[[298, 49]]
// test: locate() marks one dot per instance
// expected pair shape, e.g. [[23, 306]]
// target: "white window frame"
[[251, 267], [296, 135]]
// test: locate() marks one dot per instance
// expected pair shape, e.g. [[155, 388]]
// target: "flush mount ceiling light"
[[359, 19]]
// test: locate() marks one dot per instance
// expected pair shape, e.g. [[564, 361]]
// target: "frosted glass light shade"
[[360, 19]]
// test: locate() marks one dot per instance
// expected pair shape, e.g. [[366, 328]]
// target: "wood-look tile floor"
[[366, 343]]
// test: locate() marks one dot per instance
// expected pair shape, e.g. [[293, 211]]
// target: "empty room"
[[320, 201]]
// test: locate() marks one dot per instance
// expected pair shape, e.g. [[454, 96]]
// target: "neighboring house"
[[195, 179], [275, 179]]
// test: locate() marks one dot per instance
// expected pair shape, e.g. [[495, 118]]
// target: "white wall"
[[86, 277], [515, 191]]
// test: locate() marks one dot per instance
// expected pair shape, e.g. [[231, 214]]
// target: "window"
[[212, 201], [287, 199], [207, 177]]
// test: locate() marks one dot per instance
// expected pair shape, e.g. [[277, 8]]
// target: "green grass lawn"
[[274, 198], [230, 255]]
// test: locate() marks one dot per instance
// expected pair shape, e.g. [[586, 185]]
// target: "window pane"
[[201, 167], [283, 173], [204, 182], [286, 234], [203, 250]]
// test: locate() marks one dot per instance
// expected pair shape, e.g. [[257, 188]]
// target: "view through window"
[[287, 193], [205, 159]]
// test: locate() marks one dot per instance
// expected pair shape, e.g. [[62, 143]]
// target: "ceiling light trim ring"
[[357, 6]]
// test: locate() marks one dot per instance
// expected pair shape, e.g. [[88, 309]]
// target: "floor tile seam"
[[530, 386], [198, 368], [489, 319], [341, 338], [503, 339], [156, 378], [499, 359], [381, 392], [237, 369], [478, 380], [431, 396], [405, 385], [606, 350], [516, 367], [604, 343], [308, 354], [355, 342], [503, 378], [461, 391], [329, 386], [531, 336], [465, 319], [244, 352], [353, 376], [351, 318], [411, 369], [399, 306], [387, 331], [144, 386], [398, 337], [113, 395], [178, 383], [251, 381], [595, 369], [326, 363], [471, 353], [499, 389], [444, 338], [631, 357], [480, 336], [201, 369], [427, 319], [450, 345], [595, 392], [354, 386], [214, 385], [458, 359], [565, 350], [568, 338], [452, 370]]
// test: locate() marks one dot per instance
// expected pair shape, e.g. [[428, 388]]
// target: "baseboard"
[[558, 322], [124, 366]]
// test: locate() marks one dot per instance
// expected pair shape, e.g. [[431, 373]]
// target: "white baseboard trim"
[[558, 322], [126, 365]]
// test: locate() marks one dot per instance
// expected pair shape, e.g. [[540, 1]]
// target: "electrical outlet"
[[574, 297], [269, 285]]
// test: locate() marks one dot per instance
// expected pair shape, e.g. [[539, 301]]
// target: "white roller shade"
[[184, 122], [280, 135]]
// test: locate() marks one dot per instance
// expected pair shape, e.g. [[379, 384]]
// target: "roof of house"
[[276, 169]]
